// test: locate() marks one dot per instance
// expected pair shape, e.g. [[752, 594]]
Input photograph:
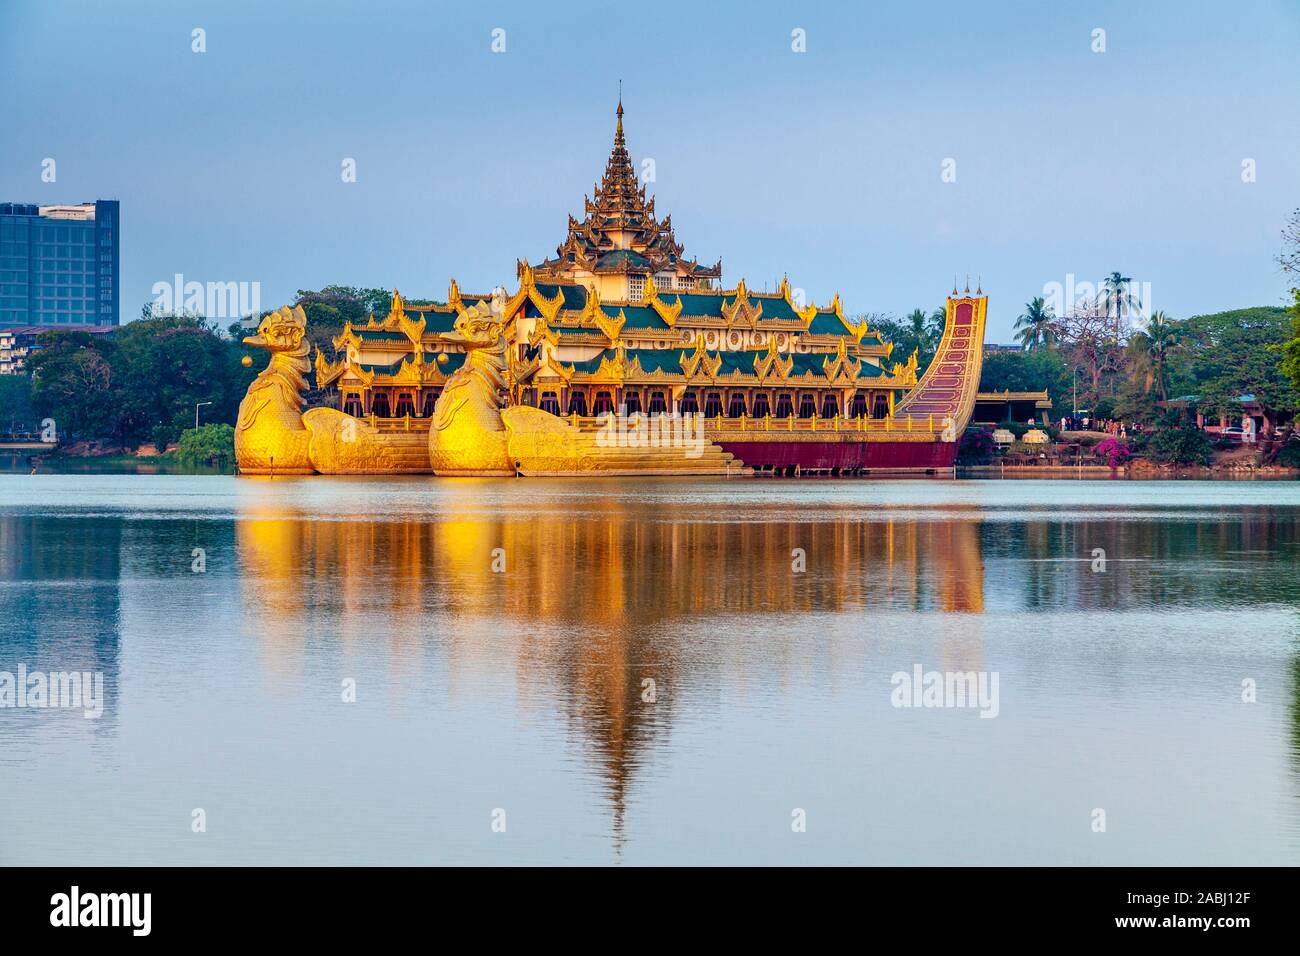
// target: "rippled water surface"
[[650, 671]]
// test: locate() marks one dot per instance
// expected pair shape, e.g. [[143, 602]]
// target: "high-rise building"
[[59, 265]]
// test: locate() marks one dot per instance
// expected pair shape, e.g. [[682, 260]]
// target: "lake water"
[[652, 671]]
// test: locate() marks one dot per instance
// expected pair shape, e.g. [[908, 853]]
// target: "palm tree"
[[938, 319], [1037, 326], [1116, 296], [918, 324], [1158, 338]]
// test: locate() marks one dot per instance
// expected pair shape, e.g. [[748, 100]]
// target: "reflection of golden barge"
[[617, 356]]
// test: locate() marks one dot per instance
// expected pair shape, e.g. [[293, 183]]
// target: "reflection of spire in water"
[[593, 600], [954, 547]]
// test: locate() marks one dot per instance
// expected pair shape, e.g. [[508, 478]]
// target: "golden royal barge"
[[616, 356]]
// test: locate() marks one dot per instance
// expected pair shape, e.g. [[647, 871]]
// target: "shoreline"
[[167, 465]]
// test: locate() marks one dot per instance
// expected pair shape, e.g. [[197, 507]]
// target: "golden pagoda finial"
[[398, 307], [592, 309], [618, 129]]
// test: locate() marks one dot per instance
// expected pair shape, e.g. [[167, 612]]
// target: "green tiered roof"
[[671, 361]]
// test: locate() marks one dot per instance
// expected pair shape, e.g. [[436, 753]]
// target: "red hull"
[[844, 456]]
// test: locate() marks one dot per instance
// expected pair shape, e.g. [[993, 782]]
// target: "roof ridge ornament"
[[610, 325], [648, 292], [668, 313], [396, 314], [591, 311], [549, 308], [806, 313]]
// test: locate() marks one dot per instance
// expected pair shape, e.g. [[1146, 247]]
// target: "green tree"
[[330, 308], [918, 324], [1179, 444], [1136, 398], [1036, 326], [1237, 353], [165, 367], [1290, 364], [212, 444], [1153, 344], [16, 411], [73, 382], [1038, 371], [919, 332], [1289, 260], [142, 384]]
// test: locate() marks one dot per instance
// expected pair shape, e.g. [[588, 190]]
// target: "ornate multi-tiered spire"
[[619, 200], [619, 231]]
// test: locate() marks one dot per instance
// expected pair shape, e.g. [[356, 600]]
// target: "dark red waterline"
[[825, 456]]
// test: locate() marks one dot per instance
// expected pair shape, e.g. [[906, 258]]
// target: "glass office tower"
[[59, 265]]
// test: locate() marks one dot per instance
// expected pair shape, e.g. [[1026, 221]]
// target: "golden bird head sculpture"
[[280, 331], [476, 328]]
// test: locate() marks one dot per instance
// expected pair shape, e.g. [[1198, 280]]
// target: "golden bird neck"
[[289, 369], [490, 362]]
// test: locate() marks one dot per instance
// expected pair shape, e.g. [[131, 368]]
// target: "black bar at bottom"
[[335, 905]]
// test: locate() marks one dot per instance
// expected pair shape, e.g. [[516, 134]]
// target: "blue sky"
[[823, 165]]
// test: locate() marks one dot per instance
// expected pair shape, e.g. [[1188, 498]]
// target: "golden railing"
[[404, 424], [744, 423]]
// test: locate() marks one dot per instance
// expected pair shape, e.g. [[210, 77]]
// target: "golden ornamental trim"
[[408, 373], [565, 372], [742, 308], [649, 294], [618, 368], [516, 301], [412, 330], [668, 313], [327, 371], [344, 338], [549, 308], [543, 333], [592, 310], [366, 378], [611, 326]]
